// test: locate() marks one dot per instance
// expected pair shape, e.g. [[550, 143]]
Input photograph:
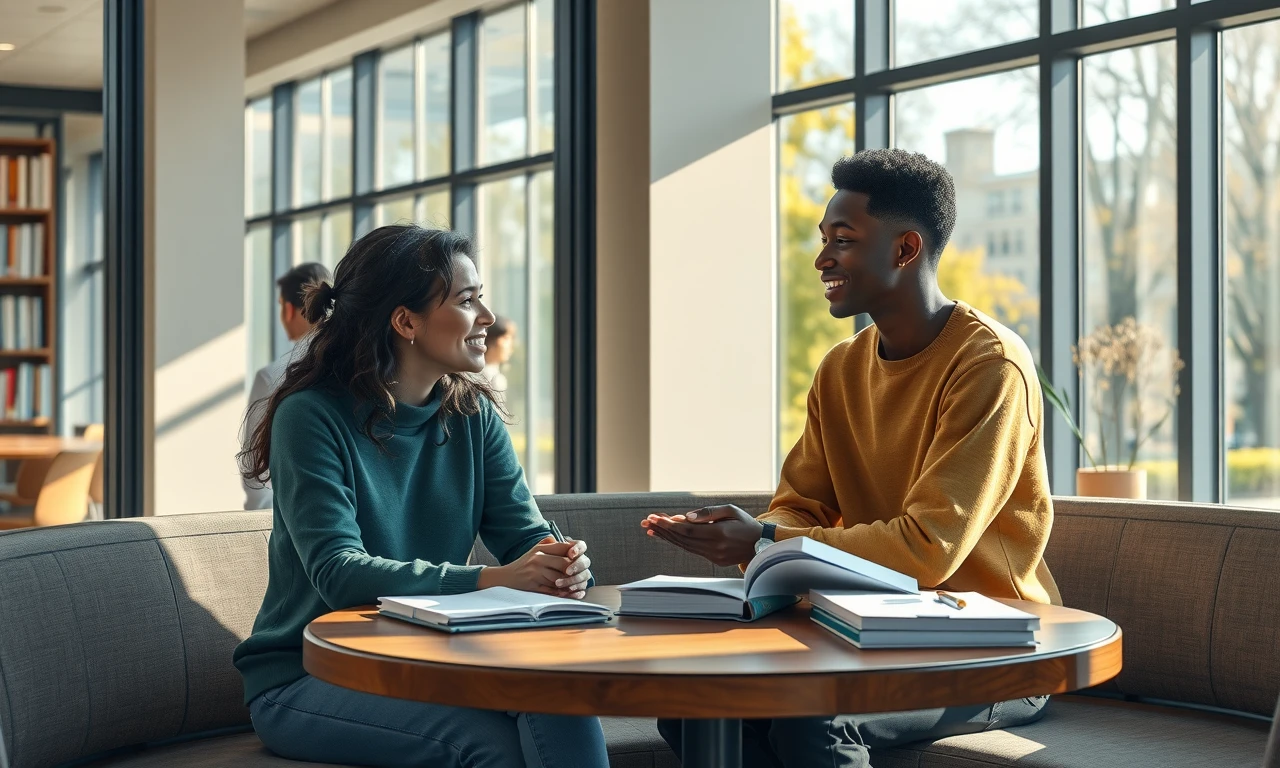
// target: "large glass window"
[[808, 143], [257, 158], [1130, 259], [307, 143], [395, 117], [504, 122], [1102, 11], [927, 29], [815, 42], [507, 206], [335, 237], [435, 100], [540, 334], [543, 109], [964, 88], [306, 239], [259, 296], [432, 209], [337, 126], [516, 261], [504, 270], [1251, 218], [397, 210], [986, 132]]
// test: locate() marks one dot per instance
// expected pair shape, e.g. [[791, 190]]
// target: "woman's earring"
[[411, 341]]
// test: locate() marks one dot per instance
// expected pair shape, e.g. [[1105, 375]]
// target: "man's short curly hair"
[[906, 186]]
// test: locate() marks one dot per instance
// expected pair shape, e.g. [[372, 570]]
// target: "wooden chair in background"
[[95, 432], [63, 496], [26, 483]]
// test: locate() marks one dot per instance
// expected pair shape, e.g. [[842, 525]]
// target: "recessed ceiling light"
[[52, 8], [7, 46]]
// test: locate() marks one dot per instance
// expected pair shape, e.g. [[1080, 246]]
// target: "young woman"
[[388, 457]]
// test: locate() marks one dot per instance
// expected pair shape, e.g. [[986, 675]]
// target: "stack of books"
[[926, 620]]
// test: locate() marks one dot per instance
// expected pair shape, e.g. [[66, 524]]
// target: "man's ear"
[[911, 248], [290, 311]]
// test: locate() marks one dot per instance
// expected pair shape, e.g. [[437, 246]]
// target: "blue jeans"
[[846, 741], [312, 720]]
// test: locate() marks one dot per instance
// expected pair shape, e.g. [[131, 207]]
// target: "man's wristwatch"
[[767, 533]]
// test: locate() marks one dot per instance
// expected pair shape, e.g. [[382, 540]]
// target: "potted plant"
[[1118, 361]]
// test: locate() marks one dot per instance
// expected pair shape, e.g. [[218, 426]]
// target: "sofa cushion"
[[632, 742], [120, 632], [1090, 732]]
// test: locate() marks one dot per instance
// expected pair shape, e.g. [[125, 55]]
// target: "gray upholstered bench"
[[116, 637]]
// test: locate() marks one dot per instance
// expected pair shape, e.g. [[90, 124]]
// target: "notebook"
[[921, 621], [492, 608], [773, 580]]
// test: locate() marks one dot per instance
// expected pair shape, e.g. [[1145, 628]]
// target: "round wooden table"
[[713, 674]]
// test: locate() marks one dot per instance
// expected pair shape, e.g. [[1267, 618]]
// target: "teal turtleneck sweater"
[[353, 523]]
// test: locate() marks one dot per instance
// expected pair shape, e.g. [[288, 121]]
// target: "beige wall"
[[622, 246], [712, 240], [195, 228]]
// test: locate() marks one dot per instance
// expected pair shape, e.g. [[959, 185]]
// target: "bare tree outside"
[[1251, 217]]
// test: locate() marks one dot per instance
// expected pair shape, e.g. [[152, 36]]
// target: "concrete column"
[[712, 237], [195, 252], [622, 246]]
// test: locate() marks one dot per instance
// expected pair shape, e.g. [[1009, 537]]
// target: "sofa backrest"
[[1195, 589], [619, 549], [121, 632]]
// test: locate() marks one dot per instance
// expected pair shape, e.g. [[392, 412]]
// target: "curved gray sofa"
[[116, 637]]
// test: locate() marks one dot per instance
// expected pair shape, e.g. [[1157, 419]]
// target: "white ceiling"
[[59, 42]]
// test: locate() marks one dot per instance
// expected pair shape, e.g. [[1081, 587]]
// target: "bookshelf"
[[28, 284]]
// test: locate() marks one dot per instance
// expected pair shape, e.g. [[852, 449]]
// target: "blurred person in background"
[[501, 345], [296, 327]]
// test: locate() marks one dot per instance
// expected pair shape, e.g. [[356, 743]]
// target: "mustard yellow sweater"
[[932, 466]]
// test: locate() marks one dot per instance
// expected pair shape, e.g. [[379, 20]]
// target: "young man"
[[296, 327], [922, 448]]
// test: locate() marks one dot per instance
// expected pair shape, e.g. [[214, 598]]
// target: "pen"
[[555, 531], [950, 600]]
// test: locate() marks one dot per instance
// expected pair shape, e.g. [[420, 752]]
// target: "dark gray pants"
[[845, 741]]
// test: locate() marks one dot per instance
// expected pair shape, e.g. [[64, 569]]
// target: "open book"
[[492, 608], [774, 579]]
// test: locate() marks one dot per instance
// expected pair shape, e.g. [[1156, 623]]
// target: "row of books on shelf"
[[26, 392], [22, 250], [26, 181], [21, 322]]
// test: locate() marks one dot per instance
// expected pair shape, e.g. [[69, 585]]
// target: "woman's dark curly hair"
[[351, 345]]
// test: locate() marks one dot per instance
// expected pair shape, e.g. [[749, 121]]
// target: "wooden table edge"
[[636, 694]]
